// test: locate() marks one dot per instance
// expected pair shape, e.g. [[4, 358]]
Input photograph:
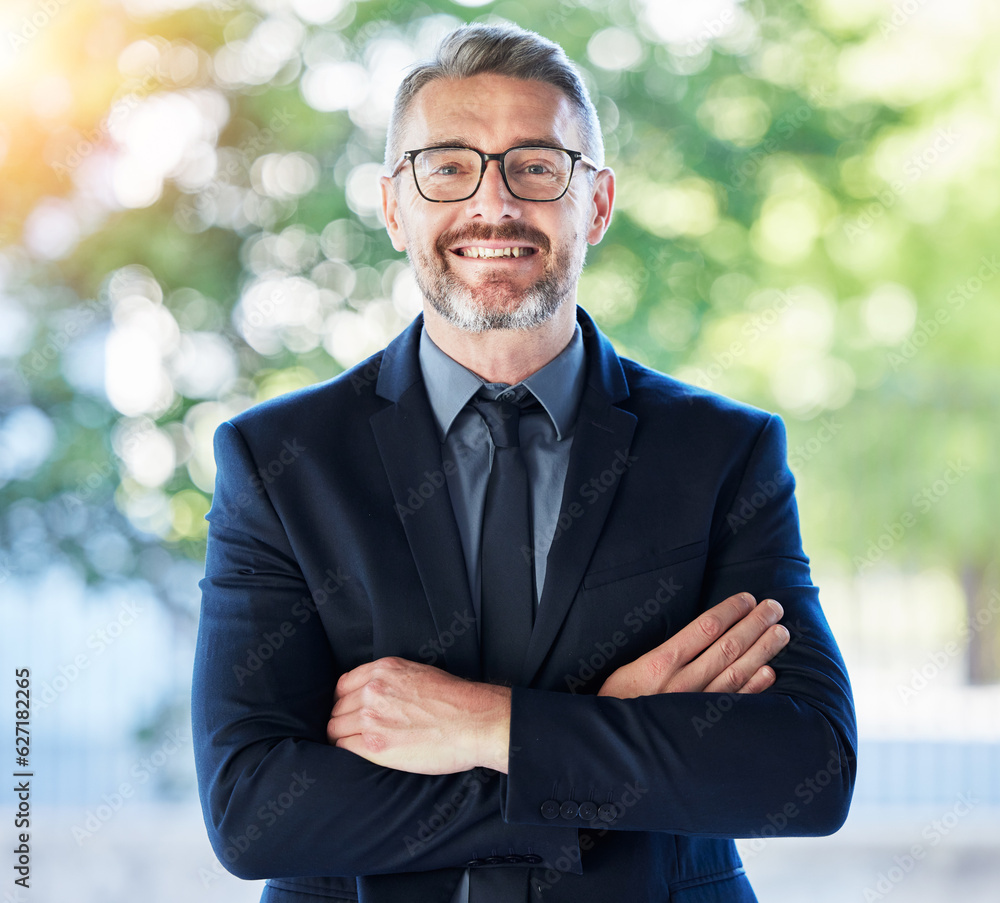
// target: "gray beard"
[[457, 304], [491, 305]]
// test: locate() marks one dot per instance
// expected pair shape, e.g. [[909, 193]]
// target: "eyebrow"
[[536, 141]]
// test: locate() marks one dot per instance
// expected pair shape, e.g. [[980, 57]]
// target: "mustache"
[[514, 231]]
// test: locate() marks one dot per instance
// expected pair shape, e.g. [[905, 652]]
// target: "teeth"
[[495, 252]]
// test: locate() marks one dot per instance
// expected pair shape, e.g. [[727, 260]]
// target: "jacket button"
[[493, 860], [513, 859], [550, 809], [569, 809], [607, 812], [532, 859], [588, 811], [474, 863]]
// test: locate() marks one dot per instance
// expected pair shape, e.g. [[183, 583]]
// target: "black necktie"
[[507, 600], [507, 603]]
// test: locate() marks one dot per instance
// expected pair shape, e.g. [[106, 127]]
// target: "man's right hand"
[[724, 650]]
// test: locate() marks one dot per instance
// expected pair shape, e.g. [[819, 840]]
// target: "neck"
[[504, 355]]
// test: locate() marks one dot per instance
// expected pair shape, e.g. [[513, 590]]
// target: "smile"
[[481, 252]]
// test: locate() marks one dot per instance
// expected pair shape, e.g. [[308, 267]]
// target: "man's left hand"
[[412, 717]]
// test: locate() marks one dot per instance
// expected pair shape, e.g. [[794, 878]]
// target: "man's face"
[[493, 113]]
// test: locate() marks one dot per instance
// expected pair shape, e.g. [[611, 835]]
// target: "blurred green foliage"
[[807, 214]]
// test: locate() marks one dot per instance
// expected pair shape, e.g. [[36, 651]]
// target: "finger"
[[734, 677], [735, 643], [346, 725], [693, 639], [711, 643], [349, 702], [704, 672], [763, 678], [354, 679]]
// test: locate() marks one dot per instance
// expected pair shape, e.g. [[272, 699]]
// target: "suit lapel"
[[410, 449], [411, 453], [598, 458]]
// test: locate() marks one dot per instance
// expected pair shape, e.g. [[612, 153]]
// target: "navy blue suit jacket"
[[332, 542]]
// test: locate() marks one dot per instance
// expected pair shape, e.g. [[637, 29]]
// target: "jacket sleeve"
[[711, 764], [278, 799]]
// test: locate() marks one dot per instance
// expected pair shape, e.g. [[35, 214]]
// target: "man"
[[492, 633]]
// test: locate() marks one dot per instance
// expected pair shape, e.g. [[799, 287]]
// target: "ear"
[[602, 203], [390, 212]]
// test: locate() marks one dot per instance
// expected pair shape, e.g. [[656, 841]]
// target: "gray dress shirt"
[[546, 438]]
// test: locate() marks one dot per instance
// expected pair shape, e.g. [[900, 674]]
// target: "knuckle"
[[710, 626], [656, 667], [663, 662], [730, 648], [732, 680]]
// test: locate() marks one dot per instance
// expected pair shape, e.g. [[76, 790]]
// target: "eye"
[[447, 163]]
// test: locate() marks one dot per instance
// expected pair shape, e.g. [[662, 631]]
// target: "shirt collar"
[[557, 386]]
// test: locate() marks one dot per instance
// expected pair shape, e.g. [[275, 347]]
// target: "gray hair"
[[507, 50]]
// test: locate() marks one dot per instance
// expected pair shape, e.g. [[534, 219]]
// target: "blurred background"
[[808, 220]]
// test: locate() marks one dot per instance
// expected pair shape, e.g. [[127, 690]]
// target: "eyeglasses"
[[445, 174]]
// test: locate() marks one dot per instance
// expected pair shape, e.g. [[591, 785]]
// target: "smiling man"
[[507, 632]]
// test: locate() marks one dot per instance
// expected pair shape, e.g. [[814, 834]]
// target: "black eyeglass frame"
[[411, 155]]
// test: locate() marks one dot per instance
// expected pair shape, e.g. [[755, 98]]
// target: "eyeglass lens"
[[452, 173]]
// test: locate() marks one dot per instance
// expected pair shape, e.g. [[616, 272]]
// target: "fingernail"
[[750, 600], [776, 607], [782, 633]]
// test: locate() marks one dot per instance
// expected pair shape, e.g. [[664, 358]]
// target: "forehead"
[[491, 112]]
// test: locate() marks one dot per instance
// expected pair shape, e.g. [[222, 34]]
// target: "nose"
[[492, 201]]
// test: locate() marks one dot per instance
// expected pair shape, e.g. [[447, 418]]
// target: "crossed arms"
[[417, 718], [256, 735]]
